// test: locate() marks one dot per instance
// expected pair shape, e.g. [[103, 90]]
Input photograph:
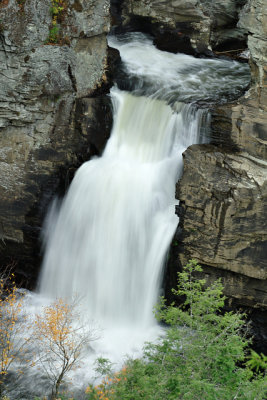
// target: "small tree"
[[13, 325], [60, 337], [202, 355]]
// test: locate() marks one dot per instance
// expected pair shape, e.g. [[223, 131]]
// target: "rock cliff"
[[52, 56], [223, 190], [223, 215], [224, 220], [193, 25]]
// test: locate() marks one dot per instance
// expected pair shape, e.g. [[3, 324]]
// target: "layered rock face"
[[223, 201], [44, 76], [194, 24], [223, 190]]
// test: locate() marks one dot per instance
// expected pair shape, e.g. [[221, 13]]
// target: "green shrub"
[[53, 35], [201, 357], [58, 12]]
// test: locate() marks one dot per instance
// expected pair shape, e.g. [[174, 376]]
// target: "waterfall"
[[107, 242]]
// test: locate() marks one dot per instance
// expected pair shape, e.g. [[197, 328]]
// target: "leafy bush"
[[58, 12], [201, 357]]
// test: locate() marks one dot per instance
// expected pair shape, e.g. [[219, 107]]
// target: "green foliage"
[[58, 10], [55, 9], [53, 35], [201, 357], [257, 361], [103, 366]]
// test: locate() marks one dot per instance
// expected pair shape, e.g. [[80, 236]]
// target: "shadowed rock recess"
[[46, 82]]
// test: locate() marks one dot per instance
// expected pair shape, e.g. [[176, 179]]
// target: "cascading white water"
[[110, 239], [173, 77], [107, 242]]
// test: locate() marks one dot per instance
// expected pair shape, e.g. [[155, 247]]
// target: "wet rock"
[[199, 24], [223, 197], [246, 119], [41, 86], [223, 207], [242, 126], [93, 119]]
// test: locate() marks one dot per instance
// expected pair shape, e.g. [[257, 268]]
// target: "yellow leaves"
[[88, 390], [55, 323], [10, 314], [59, 337], [105, 390], [99, 392], [58, 6]]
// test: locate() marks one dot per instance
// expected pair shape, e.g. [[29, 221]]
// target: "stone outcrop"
[[223, 191], [243, 124], [180, 25], [223, 214], [223, 208], [43, 81]]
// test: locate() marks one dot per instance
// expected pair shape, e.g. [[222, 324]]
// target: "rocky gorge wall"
[[223, 190], [51, 80], [192, 26]]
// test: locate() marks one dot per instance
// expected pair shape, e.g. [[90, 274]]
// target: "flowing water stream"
[[108, 240]]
